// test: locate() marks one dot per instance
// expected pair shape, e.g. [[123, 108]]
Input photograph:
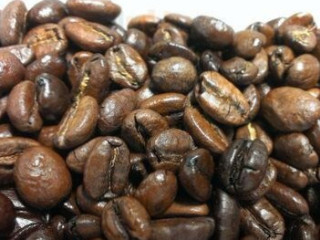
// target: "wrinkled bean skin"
[[226, 213], [290, 109], [220, 99], [195, 174], [124, 217], [163, 154], [238, 161], [23, 108], [12, 23], [201, 228], [266, 224], [296, 150], [42, 177], [8, 214], [157, 191]]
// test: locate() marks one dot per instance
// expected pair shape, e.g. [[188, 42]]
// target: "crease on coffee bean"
[[51, 35]]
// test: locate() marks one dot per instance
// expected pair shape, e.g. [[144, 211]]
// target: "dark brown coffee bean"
[[296, 150], [7, 215], [226, 212], [303, 72], [146, 23], [264, 89], [316, 50], [157, 191], [127, 68], [313, 175], [166, 149], [195, 174], [200, 228], [211, 32], [252, 95], [12, 23], [42, 177], [289, 175], [23, 108], [3, 106], [12, 71], [313, 135], [243, 166], [144, 92], [52, 96], [140, 125], [46, 11], [139, 41], [210, 61], [252, 131], [182, 209], [107, 168], [102, 11], [290, 109], [169, 33], [303, 228], [91, 36], [21, 51], [46, 135], [248, 43], [261, 61], [239, 71], [179, 20], [52, 64], [221, 99], [265, 29], [78, 123], [6, 130], [114, 109], [125, 217], [85, 226], [262, 220], [46, 39]]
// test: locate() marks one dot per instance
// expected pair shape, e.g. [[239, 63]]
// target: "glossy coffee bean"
[[127, 68], [46, 135], [12, 71], [42, 177], [251, 93], [46, 39], [138, 40], [22, 51], [46, 11], [102, 11], [6, 130], [125, 217], [7, 213], [13, 23], [195, 174], [265, 29], [236, 165], [290, 109], [210, 61], [179, 20], [186, 209], [302, 229], [85, 226], [169, 33], [174, 74], [212, 32], [146, 23], [220, 99], [313, 135], [167, 149], [261, 61]]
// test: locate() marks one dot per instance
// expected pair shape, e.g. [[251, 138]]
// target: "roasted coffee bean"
[[45, 39], [46, 11], [315, 92], [127, 68], [303, 228], [52, 96], [91, 36], [146, 23], [21, 51], [85, 226], [52, 64], [179, 20], [107, 168], [210, 61], [221, 99], [243, 166], [78, 123], [296, 150], [12, 71], [157, 191], [303, 72], [265, 29], [46, 135], [6, 130], [262, 220], [287, 200], [125, 217], [253, 130], [195, 174], [239, 71], [312, 195], [181, 209], [252, 95], [13, 23], [114, 109], [140, 125], [290, 109], [23, 108], [102, 11], [169, 33], [144, 92], [226, 213], [139, 41], [211, 32], [261, 61], [313, 135], [41, 177], [248, 43], [8, 214], [166, 149], [200, 228]]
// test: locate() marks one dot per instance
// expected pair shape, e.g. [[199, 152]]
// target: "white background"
[[238, 14]]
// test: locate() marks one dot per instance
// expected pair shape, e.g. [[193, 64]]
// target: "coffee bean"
[[186, 209], [85, 226], [139, 41], [7, 213], [146, 23], [23, 52]]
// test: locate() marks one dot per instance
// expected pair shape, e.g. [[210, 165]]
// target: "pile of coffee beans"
[[171, 129]]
